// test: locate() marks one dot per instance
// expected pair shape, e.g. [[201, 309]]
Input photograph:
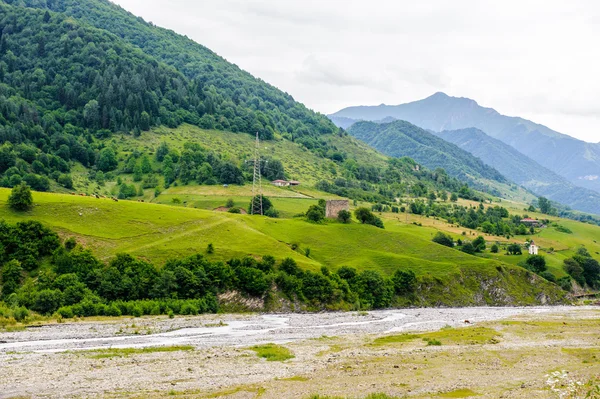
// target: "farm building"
[[333, 207], [531, 222], [280, 183]]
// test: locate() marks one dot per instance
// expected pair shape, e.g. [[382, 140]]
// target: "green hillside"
[[156, 233], [81, 87]]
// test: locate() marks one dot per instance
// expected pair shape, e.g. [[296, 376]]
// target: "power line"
[[257, 194]]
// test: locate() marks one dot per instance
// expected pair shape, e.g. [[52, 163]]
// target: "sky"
[[536, 59]]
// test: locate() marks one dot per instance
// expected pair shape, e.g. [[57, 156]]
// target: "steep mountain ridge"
[[571, 158], [522, 169], [401, 138]]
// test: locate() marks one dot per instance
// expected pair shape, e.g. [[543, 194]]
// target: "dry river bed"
[[416, 353]]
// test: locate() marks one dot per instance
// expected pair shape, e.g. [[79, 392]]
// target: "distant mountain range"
[[522, 169], [401, 138], [576, 161]]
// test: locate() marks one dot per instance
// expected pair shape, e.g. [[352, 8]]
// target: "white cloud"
[[535, 59]]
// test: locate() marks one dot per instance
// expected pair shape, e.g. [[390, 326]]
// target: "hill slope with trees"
[[523, 170], [576, 160], [400, 138]]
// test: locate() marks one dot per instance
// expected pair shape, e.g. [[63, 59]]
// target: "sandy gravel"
[[48, 361]]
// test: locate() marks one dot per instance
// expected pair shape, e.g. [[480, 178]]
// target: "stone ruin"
[[334, 207]]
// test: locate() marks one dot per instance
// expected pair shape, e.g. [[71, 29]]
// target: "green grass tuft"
[[273, 352], [124, 352]]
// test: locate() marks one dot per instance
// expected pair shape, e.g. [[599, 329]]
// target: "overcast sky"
[[535, 59]]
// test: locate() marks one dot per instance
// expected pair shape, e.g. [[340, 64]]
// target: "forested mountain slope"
[[400, 138], [522, 169], [573, 159], [71, 94], [230, 98]]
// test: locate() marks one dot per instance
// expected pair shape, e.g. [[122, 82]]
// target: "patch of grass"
[[296, 378], [458, 393], [432, 342], [456, 336], [273, 352], [371, 396], [395, 339], [124, 352]]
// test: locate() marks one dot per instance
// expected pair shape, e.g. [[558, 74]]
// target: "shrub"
[[234, 209], [365, 216], [252, 281], [272, 213], [315, 214], [536, 263], [20, 313], [404, 282], [468, 248], [20, 198], [210, 249], [230, 203], [47, 301], [548, 276], [65, 312], [494, 249], [70, 243], [137, 311], [289, 266], [514, 249], [443, 239], [266, 204], [344, 216], [113, 310], [479, 244]]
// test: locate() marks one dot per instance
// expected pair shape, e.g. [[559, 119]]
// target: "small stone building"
[[334, 207]]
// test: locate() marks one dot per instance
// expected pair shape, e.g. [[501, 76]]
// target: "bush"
[[20, 313], [266, 204], [315, 214], [113, 310], [20, 198], [536, 263], [252, 281], [548, 276], [344, 216], [234, 209], [229, 203], [479, 244], [494, 249], [404, 282], [272, 213], [47, 301], [374, 290], [468, 248], [443, 239], [66, 312], [514, 249], [365, 216]]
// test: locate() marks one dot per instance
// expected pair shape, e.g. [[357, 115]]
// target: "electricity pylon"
[[257, 195]]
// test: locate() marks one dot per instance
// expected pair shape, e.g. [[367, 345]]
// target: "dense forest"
[[66, 87]]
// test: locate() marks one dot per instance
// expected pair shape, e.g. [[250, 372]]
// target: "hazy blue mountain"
[[522, 169], [342, 122], [401, 138], [571, 158]]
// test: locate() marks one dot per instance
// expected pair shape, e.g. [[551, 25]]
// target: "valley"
[[172, 225]]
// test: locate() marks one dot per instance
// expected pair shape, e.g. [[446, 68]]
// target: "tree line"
[[42, 274]]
